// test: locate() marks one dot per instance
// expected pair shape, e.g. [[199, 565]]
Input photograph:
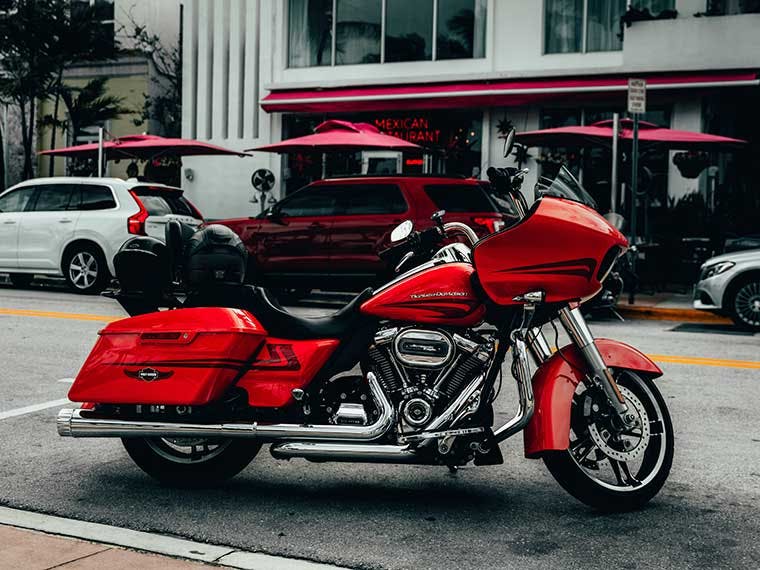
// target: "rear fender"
[[554, 385]]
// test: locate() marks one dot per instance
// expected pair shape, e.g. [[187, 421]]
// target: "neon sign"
[[413, 129]]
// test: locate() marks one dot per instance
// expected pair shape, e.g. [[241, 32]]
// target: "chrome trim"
[[463, 229], [451, 412], [454, 253], [71, 423], [526, 403], [385, 336], [353, 452], [538, 345], [422, 360], [465, 344]]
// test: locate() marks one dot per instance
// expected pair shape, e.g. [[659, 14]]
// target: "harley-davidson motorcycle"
[[407, 373]]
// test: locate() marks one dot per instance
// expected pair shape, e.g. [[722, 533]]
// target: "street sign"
[[637, 96]]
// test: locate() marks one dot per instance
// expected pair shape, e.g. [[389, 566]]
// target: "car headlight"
[[716, 269]]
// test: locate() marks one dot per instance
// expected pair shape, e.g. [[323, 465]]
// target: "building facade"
[[451, 75]]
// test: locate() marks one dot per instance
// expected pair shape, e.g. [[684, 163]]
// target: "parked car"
[[74, 226], [328, 234], [729, 284]]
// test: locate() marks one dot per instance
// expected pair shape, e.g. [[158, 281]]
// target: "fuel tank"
[[562, 248], [439, 295]]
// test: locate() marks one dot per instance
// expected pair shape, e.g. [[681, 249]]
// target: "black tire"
[[743, 303], [652, 474], [85, 269], [21, 279], [161, 459]]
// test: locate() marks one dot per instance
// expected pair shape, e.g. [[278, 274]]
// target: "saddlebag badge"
[[148, 374]]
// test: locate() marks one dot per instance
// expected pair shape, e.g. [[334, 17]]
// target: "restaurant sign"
[[417, 130]]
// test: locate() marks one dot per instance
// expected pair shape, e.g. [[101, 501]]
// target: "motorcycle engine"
[[423, 369]]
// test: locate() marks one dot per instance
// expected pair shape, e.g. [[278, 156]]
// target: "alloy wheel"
[[187, 450], [747, 304], [83, 270]]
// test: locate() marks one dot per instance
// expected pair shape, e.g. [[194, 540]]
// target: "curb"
[[671, 314], [224, 556]]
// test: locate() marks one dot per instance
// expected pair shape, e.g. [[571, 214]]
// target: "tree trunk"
[[28, 153], [53, 129], [2, 156], [24, 140]]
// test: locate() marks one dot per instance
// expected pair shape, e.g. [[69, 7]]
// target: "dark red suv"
[[327, 235]]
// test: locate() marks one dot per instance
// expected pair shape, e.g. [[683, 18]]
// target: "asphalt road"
[[368, 516]]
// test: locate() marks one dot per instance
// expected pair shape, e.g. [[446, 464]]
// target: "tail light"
[[493, 225], [136, 222]]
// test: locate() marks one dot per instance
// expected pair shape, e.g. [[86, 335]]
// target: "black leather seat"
[[277, 320]]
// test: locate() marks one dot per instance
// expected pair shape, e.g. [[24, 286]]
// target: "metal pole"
[[614, 179], [634, 176], [100, 152]]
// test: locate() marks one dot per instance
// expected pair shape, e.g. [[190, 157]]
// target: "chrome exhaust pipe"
[[526, 402], [350, 452], [72, 423]]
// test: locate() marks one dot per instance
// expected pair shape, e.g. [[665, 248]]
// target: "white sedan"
[[73, 227]]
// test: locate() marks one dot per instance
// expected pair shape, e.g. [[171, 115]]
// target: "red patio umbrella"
[[601, 134], [340, 136], [144, 147]]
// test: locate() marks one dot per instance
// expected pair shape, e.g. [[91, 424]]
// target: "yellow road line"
[[57, 315], [697, 361], [664, 358]]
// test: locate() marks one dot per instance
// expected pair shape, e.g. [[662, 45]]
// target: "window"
[[96, 198], [457, 198], [55, 197], [164, 203], [342, 32], [311, 201], [103, 11], [408, 30], [374, 199], [17, 200], [579, 26], [732, 7]]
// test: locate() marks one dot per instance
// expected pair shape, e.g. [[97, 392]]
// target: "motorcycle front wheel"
[[191, 462], [609, 470]]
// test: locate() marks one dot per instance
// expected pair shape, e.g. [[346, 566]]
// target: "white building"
[[445, 73]]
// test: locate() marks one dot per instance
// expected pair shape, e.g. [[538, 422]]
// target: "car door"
[[49, 225], [370, 212], [293, 238], [12, 206]]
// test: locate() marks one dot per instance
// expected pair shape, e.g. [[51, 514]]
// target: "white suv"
[[74, 226]]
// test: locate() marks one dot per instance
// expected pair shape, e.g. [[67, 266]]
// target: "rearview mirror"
[[509, 142], [402, 231]]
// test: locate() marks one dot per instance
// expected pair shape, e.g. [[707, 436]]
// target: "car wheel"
[[744, 303], [21, 279], [85, 269]]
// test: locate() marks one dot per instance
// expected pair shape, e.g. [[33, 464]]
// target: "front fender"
[[555, 382]]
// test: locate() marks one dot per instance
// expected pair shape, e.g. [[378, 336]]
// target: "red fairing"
[[441, 295], [554, 385], [182, 357], [281, 366], [559, 249]]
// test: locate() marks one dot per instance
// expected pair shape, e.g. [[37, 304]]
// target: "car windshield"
[[564, 185]]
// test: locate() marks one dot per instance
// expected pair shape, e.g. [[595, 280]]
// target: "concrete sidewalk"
[[667, 307], [33, 550]]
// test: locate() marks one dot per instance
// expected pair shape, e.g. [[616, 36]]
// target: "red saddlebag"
[[182, 357]]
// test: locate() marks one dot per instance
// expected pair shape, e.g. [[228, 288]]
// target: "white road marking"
[[156, 543], [66, 380], [33, 408]]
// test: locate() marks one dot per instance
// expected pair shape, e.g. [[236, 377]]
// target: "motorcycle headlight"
[[716, 269]]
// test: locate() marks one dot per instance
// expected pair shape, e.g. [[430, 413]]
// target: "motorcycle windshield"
[[564, 185]]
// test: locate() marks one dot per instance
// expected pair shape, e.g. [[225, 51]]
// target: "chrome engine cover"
[[423, 348]]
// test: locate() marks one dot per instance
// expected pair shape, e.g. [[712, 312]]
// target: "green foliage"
[[90, 105]]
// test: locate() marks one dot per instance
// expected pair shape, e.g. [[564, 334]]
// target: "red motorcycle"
[[407, 373]]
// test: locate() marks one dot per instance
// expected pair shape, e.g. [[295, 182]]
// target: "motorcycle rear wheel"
[[595, 469], [191, 462]]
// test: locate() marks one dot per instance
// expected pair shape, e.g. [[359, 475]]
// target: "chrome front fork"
[[573, 322]]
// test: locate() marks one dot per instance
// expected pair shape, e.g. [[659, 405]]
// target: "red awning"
[[484, 93]]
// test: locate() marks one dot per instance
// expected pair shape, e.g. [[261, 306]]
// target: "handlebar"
[[463, 229]]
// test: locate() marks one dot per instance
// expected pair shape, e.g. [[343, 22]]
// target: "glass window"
[[357, 31], [96, 198], [16, 200], [461, 29], [310, 37], [457, 198], [311, 201], [563, 21], [603, 25], [374, 199], [408, 30], [164, 203], [54, 197]]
